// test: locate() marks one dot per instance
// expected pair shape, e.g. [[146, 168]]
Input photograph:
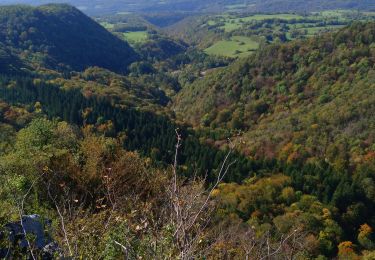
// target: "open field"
[[260, 17], [231, 23], [136, 37], [272, 27], [107, 25], [235, 7], [237, 46], [311, 31]]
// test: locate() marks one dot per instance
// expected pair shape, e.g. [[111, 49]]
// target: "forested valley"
[[220, 136]]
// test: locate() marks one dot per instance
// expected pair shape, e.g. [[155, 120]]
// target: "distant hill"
[[99, 7], [310, 5], [58, 36]]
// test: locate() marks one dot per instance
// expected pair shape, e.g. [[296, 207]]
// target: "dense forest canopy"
[[286, 88], [160, 148]]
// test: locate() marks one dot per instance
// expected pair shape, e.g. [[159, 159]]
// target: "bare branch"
[[189, 203], [62, 222]]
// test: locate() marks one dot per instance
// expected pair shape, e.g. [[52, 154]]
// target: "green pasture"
[[108, 26], [136, 37], [237, 46], [233, 23]]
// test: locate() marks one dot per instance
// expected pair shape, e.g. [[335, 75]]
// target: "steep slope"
[[300, 100], [59, 36], [10, 64]]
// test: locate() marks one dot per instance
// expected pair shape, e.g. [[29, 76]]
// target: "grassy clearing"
[[311, 31], [232, 24], [136, 37], [238, 46], [211, 23], [124, 13], [333, 13], [108, 26], [235, 7], [261, 17], [344, 15], [294, 26], [228, 27], [369, 13]]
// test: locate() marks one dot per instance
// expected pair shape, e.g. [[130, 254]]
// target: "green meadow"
[[289, 24], [107, 25], [136, 37], [232, 23], [237, 46]]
